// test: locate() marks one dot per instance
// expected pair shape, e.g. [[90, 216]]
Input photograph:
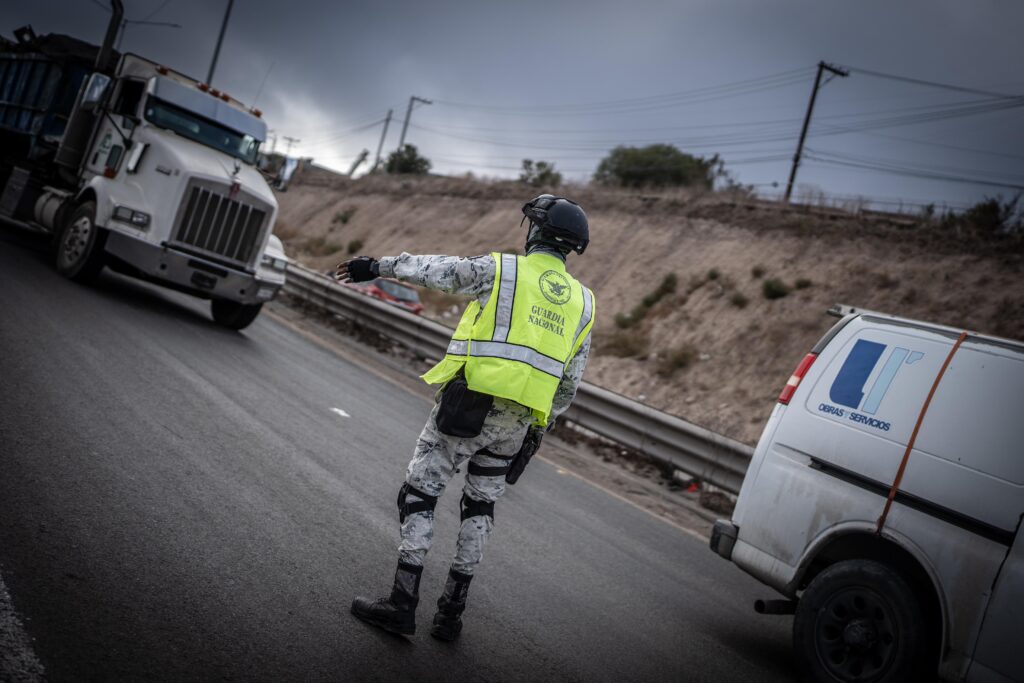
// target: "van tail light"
[[795, 378]]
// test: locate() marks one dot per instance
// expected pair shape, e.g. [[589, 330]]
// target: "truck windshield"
[[205, 132]]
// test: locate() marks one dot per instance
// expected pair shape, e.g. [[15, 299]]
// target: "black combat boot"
[[451, 604], [397, 612]]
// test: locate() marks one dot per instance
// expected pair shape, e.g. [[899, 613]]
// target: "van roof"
[[848, 313]]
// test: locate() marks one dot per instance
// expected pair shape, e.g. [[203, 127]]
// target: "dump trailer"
[[129, 164]]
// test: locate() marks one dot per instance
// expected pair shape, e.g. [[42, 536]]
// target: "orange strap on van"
[[913, 436]]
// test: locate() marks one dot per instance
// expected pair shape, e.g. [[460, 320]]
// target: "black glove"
[[363, 269], [531, 443]]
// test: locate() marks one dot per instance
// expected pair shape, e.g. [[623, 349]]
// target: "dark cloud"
[[510, 80]]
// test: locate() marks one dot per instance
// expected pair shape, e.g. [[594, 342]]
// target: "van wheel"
[[233, 314], [859, 620], [80, 247]]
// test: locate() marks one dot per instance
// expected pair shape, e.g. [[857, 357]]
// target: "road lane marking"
[[341, 412]]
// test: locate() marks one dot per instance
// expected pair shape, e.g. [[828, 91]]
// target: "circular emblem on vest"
[[555, 287]]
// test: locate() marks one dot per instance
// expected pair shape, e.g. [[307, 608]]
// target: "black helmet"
[[562, 223]]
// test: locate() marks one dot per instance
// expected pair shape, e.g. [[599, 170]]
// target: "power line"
[[341, 135], [944, 145], [695, 96], [156, 11], [910, 166], [933, 84], [916, 174]]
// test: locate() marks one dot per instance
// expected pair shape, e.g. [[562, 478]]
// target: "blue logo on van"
[[848, 387]]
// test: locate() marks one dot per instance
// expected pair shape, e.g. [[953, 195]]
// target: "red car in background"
[[392, 292]]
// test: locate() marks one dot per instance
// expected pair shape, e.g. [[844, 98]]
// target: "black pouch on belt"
[[462, 411], [531, 443]]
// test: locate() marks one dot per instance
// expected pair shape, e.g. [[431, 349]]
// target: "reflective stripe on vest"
[[506, 298], [458, 347], [523, 354], [588, 313]]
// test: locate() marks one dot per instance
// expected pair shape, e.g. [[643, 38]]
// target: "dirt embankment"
[[709, 345]]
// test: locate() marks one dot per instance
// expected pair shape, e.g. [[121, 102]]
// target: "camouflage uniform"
[[438, 456]]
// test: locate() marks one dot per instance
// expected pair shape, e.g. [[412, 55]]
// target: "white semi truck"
[[131, 165]]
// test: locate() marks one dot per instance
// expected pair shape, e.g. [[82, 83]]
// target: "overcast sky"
[[566, 81]]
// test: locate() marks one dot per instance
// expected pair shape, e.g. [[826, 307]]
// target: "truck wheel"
[[233, 314], [859, 620], [80, 247]]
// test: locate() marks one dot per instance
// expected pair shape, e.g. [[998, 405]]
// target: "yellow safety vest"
[[517, 346]]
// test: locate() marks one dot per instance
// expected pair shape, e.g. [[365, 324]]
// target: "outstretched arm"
[[452, 274]]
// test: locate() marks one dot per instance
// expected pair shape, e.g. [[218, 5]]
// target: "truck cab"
[[152, 173]]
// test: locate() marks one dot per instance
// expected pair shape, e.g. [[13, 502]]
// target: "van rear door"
[[997, 656]]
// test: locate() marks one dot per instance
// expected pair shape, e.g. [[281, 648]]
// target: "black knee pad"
[[424, 502], [475, 508]]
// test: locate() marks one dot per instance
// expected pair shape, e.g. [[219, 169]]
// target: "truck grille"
[[221, 227]]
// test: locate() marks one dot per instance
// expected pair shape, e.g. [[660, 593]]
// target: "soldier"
[[512, 367]]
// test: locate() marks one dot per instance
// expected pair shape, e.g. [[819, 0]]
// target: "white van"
[[936, 588]]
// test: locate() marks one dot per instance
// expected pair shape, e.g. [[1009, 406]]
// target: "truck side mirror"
[[95, 89]]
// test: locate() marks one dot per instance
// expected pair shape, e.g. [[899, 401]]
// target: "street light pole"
[[220, 39]]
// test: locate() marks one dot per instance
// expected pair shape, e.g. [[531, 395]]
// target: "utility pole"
[[822, 67], [380, 145], [220, 39], [290, 141], [359, 160], [408, 113]]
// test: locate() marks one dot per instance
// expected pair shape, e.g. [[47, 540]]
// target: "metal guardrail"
[[668, 439]]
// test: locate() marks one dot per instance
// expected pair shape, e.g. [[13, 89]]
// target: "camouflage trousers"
[[437, 458]]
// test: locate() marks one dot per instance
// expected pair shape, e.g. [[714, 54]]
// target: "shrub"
[[886, 281], [624, 320], [407, 160], [991, 216], [540, 174], [656, 166], [713, 274], [774, 288], [802, 283], [354, 246], [665, 287], [739, 300], [757, 272], [320, 246], [676, 359], [625, 344], [344, 215]]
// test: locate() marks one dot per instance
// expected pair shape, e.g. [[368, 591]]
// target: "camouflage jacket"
[[475, 277]]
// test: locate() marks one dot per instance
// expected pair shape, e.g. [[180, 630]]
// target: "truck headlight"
[[275, 262], [131, 216]]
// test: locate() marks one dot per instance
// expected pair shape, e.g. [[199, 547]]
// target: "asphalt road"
[[179, 501]]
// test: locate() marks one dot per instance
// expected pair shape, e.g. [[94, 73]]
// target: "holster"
[[462, 411], [531, 443]]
